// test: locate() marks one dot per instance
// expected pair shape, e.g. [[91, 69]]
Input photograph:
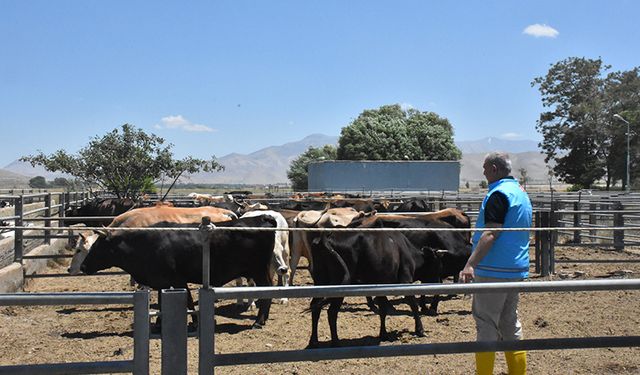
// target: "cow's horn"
[[101, 232]]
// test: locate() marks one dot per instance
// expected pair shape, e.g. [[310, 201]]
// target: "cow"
[[415, 205], [99, 207], [365, 205], [207, 199], [453, 248], [173, 258], [330, 218], [280, 261], [147, 216], [343, 258]]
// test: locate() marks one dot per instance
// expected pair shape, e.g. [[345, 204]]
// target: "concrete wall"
[[12, 276], [384, 175]]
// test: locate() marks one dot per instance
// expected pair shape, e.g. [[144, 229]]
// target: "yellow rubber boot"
[[516, 362], [484, 363]]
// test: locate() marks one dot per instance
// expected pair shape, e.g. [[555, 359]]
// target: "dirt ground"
[[51, 334]]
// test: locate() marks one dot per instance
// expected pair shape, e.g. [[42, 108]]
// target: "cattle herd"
[[172, 257]]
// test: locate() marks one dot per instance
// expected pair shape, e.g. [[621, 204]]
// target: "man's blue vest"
[[508, 258]]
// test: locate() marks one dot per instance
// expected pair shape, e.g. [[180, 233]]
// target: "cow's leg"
[[191, 308], [383, 308], [316, 308], [264, 304], [156, 328], [239, 283], [250, 301], [411, 301], [294, 248], [433, 309], [334, 308], [372, 305], [283, 280]]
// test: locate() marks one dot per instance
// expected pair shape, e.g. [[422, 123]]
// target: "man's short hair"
[[500, 160]]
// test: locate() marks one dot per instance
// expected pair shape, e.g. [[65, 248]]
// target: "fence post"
[[47, 222], [554, 220], [593, 220], [537, 238], [545, 246], [206, 304], [141, 332], [576, 222], [618, 221], [173, 311], [68, 204], [19, 243], [206, 331]]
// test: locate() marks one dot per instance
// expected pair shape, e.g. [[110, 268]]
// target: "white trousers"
[[496, 314]]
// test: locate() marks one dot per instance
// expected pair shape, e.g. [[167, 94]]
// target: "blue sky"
[[216, 77]]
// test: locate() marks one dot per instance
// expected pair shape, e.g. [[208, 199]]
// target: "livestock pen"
[[287, 330]]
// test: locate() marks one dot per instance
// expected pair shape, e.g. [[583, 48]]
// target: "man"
[[499, 256]]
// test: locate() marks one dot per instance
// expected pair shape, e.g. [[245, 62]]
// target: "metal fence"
[[139, 364], [208, 360]]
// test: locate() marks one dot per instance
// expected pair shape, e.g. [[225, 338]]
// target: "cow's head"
[[100, 254], [432, 269], [80, 252]]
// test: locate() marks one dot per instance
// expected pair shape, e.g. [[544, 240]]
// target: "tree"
[[391, 133], [122, 162], [622, 96], [579, 131], [298, 172], [60, 182], [38, 182]]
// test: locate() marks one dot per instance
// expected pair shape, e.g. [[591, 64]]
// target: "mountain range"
[[269, 165]]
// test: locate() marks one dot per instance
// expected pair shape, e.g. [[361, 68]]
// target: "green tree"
[[579, 131], [391, 133], [38, 182], [122, 162], [622, 96], [60, 182], [298, 172], [572, 90]]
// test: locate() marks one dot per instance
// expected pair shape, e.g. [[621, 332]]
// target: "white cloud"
[[179, 122], [539, 31]]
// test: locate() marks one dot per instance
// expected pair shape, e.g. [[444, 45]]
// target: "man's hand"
[[467, 274]]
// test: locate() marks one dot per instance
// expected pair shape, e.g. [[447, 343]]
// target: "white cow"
[[281, 252]]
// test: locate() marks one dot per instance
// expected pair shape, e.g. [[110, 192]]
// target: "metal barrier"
[[138, 365], [208, 360]]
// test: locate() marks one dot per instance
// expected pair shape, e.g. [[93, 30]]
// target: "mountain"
[[266, 166], [10, 179], [531, 161], [489, 144], [269, 165], [25, 169]]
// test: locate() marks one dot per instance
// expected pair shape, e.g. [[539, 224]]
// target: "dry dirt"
[[52, 334]]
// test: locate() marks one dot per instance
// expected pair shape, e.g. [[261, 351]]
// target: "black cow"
[[453, 248], [414, 205], [342, 258], [167, 259], [99, 207], [364, 205]]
